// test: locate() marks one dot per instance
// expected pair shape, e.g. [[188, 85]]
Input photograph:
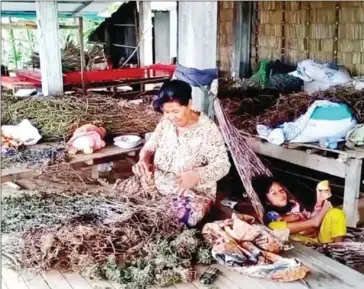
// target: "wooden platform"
[[326, 273]]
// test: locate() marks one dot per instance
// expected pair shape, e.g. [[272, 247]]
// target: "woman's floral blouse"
[[202, 148]]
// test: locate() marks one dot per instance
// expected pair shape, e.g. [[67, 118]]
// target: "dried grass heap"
[[267, 110], [57, 117], [131, 240], [30, 157]]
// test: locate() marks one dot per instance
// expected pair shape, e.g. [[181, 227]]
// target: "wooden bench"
[[109, 153], [347, 165]]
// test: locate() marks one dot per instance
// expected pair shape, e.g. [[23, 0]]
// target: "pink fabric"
[[87, 136]]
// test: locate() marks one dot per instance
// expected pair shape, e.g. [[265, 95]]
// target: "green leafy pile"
[[167, 261]]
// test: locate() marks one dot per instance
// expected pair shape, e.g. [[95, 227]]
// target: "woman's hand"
[[142, 168], [188, 180]]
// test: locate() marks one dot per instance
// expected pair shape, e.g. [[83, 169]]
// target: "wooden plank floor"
[[325, 273]]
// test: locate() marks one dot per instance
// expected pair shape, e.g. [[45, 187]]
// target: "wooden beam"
[[32, 26], [81, 7], [242, 21], [315, 162], [353, 172], [11, 175]]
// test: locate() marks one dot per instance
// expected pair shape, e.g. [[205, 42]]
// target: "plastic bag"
[[308, 70], [24, 132]]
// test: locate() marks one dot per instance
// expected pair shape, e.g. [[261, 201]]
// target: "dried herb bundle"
[[167, 261], [128, 240], [34, 157], [57, 117], [71, 57], [63, 231], [236, 100]]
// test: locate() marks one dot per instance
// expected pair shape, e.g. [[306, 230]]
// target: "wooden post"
[[242, 33], [336, 38], [49, 49], [308, 26], [173, 32], [283, 39], [137, 35], [257, 23], [82, 53], [353, 171], [197, 42]]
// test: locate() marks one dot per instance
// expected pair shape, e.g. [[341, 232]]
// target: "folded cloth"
[[251, 249]]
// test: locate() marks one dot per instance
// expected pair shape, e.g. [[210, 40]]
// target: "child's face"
[[277, 195]]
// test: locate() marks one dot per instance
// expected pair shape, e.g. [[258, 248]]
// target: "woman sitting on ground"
[[324, 225], [186, 154]]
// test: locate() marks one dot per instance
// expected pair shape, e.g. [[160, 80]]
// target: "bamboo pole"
[[283, 39], [31, 46], [336, 38], [136, 26], [82, 53], [308, 27], [12, 38]]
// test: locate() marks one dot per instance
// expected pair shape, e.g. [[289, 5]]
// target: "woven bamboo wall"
[[295, 30], [225, 36]]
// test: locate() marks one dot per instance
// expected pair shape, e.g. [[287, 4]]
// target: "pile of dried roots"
[[128, 240], [71, 57], [247, 107], [34, 157], [57, 117]]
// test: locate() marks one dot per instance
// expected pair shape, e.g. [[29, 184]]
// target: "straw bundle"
[[294, 5], [322, 4], [350, 45], [359, 69], [351, 31], [321, 56], [295, 44], [270, 5], [296, 17], [355, 69], [322, 16], [324, 45], [295, 31], [322, 31], [350, 57], [351, 3], [269, 41], [267, 52], [273, 17], [294, 56], [270, 29], [351, 15]]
